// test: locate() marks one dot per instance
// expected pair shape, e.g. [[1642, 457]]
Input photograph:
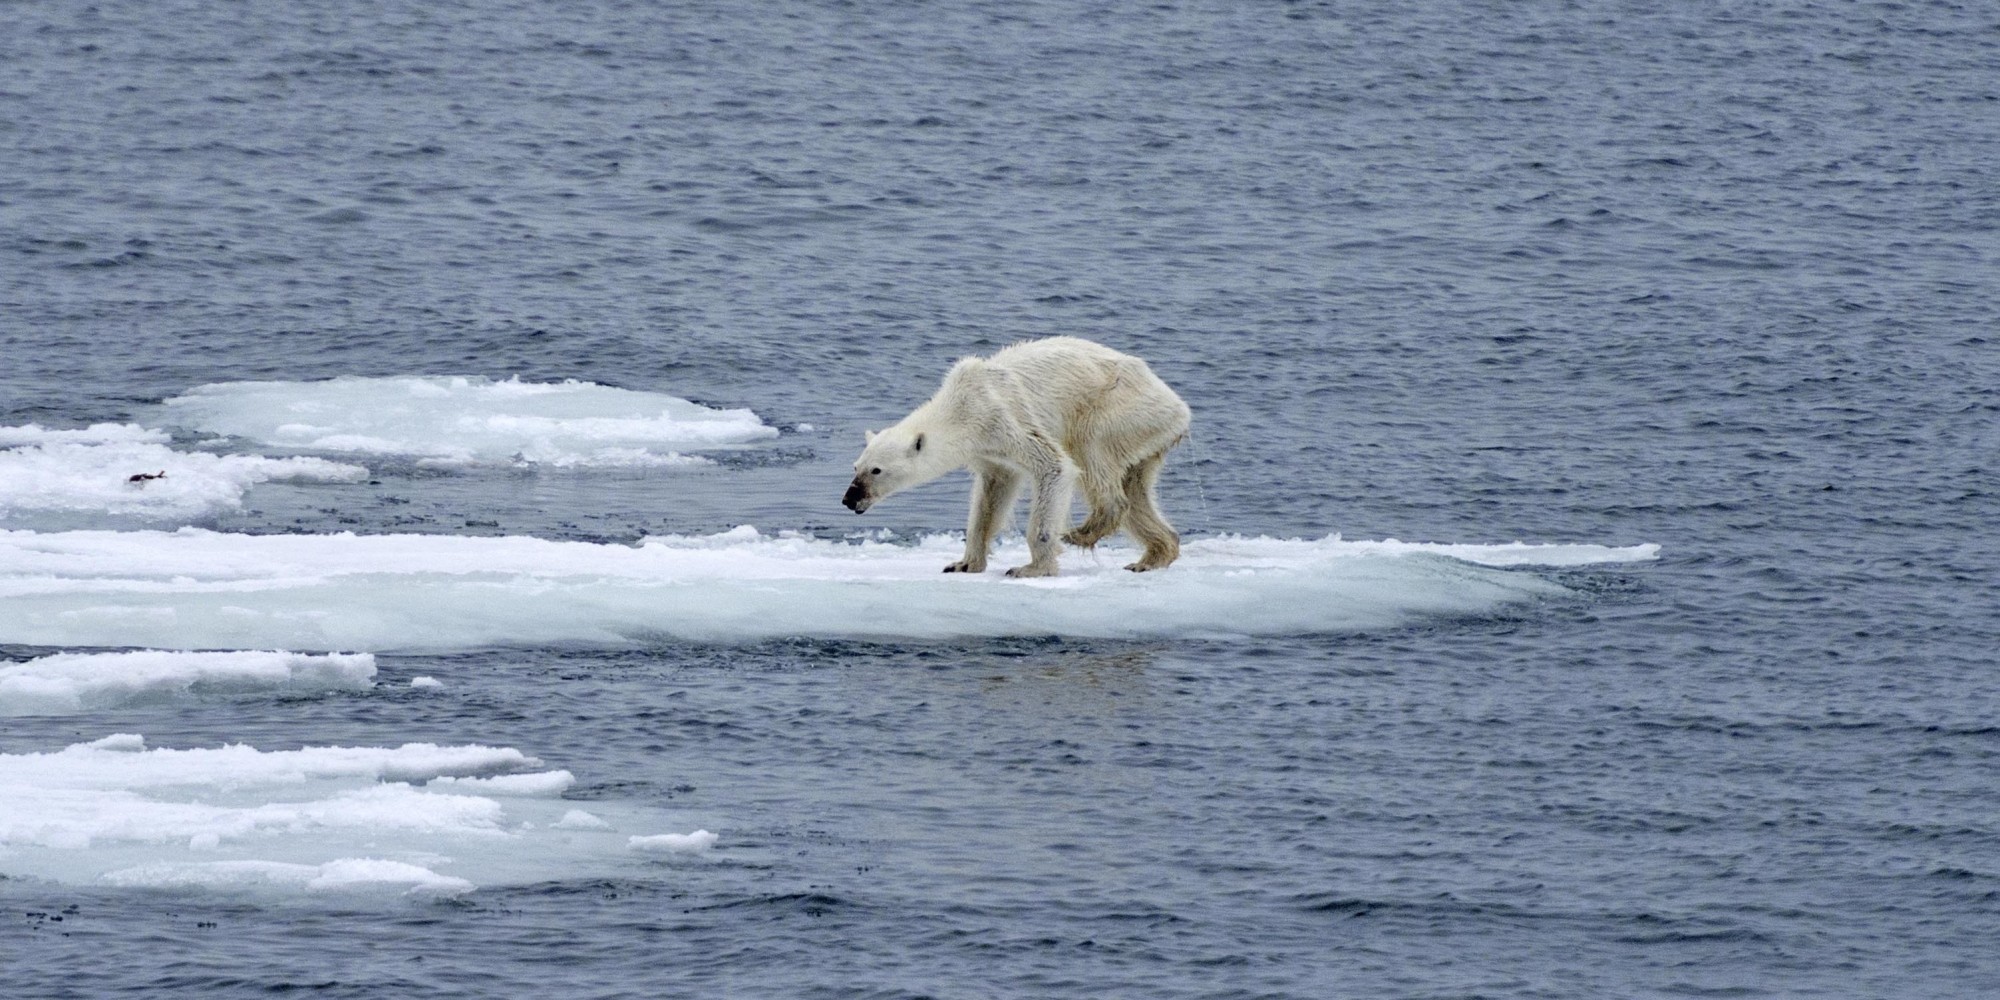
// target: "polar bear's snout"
[[857, 499]]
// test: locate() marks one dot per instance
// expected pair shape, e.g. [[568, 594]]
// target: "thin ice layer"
[[454, 420], [91, 471], [414, 819], [339, 875], [440, 592], [75, 682]]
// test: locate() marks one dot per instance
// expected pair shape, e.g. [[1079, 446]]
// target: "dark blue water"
[[1716, 276]]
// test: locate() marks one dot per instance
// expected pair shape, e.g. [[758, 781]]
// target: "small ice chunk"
[[577, 819], [426, 682], [544, 784], [673, 843]]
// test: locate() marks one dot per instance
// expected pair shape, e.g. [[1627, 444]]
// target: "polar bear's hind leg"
[[1100, 481], [1144, 520]]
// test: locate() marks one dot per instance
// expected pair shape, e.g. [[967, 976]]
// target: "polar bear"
[[1058, 413]]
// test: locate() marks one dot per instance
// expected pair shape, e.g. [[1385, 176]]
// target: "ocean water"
[[1589, 587]]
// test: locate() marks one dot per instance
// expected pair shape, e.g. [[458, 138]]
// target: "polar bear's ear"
[[868, 437], [919, 445]]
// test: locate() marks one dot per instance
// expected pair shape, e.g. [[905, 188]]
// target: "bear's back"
[[1069, 385], [1072, 351], [1064, 366]]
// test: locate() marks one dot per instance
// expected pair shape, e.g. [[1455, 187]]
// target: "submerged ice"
[[201, 589], [413, 819], [459, 421]]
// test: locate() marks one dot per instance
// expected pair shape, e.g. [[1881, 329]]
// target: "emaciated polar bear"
[[1058, 413]]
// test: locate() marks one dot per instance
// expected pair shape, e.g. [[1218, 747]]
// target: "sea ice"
[[540, 784], [419, 818], [73, 682], [673, 843], [462, 421], [577, 819], [348, 875], [195, 588], [47, 473]]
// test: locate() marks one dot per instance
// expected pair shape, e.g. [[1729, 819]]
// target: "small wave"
[[202, 589], [1691, 935], [811, 904]]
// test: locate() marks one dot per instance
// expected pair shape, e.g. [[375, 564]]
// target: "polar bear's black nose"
[[855, 497]]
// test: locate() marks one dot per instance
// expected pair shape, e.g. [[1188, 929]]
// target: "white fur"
[[1056, 414]]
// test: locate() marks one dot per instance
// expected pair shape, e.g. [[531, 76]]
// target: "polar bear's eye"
[[920, 443], [874, 472]]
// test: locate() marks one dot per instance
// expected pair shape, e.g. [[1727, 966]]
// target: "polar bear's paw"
[[1085, 536]]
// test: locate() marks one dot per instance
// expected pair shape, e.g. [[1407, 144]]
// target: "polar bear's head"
[[894, 460]]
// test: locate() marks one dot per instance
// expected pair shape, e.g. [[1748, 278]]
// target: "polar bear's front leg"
[[993, 493], [1048, 515]]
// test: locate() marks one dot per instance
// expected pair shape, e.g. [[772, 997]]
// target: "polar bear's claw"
[[1023, 572]]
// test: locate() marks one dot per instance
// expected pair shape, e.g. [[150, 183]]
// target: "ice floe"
[[417, 819], [74, 682], [52, 477], [193, 588], [129, 471], [444, 420]]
